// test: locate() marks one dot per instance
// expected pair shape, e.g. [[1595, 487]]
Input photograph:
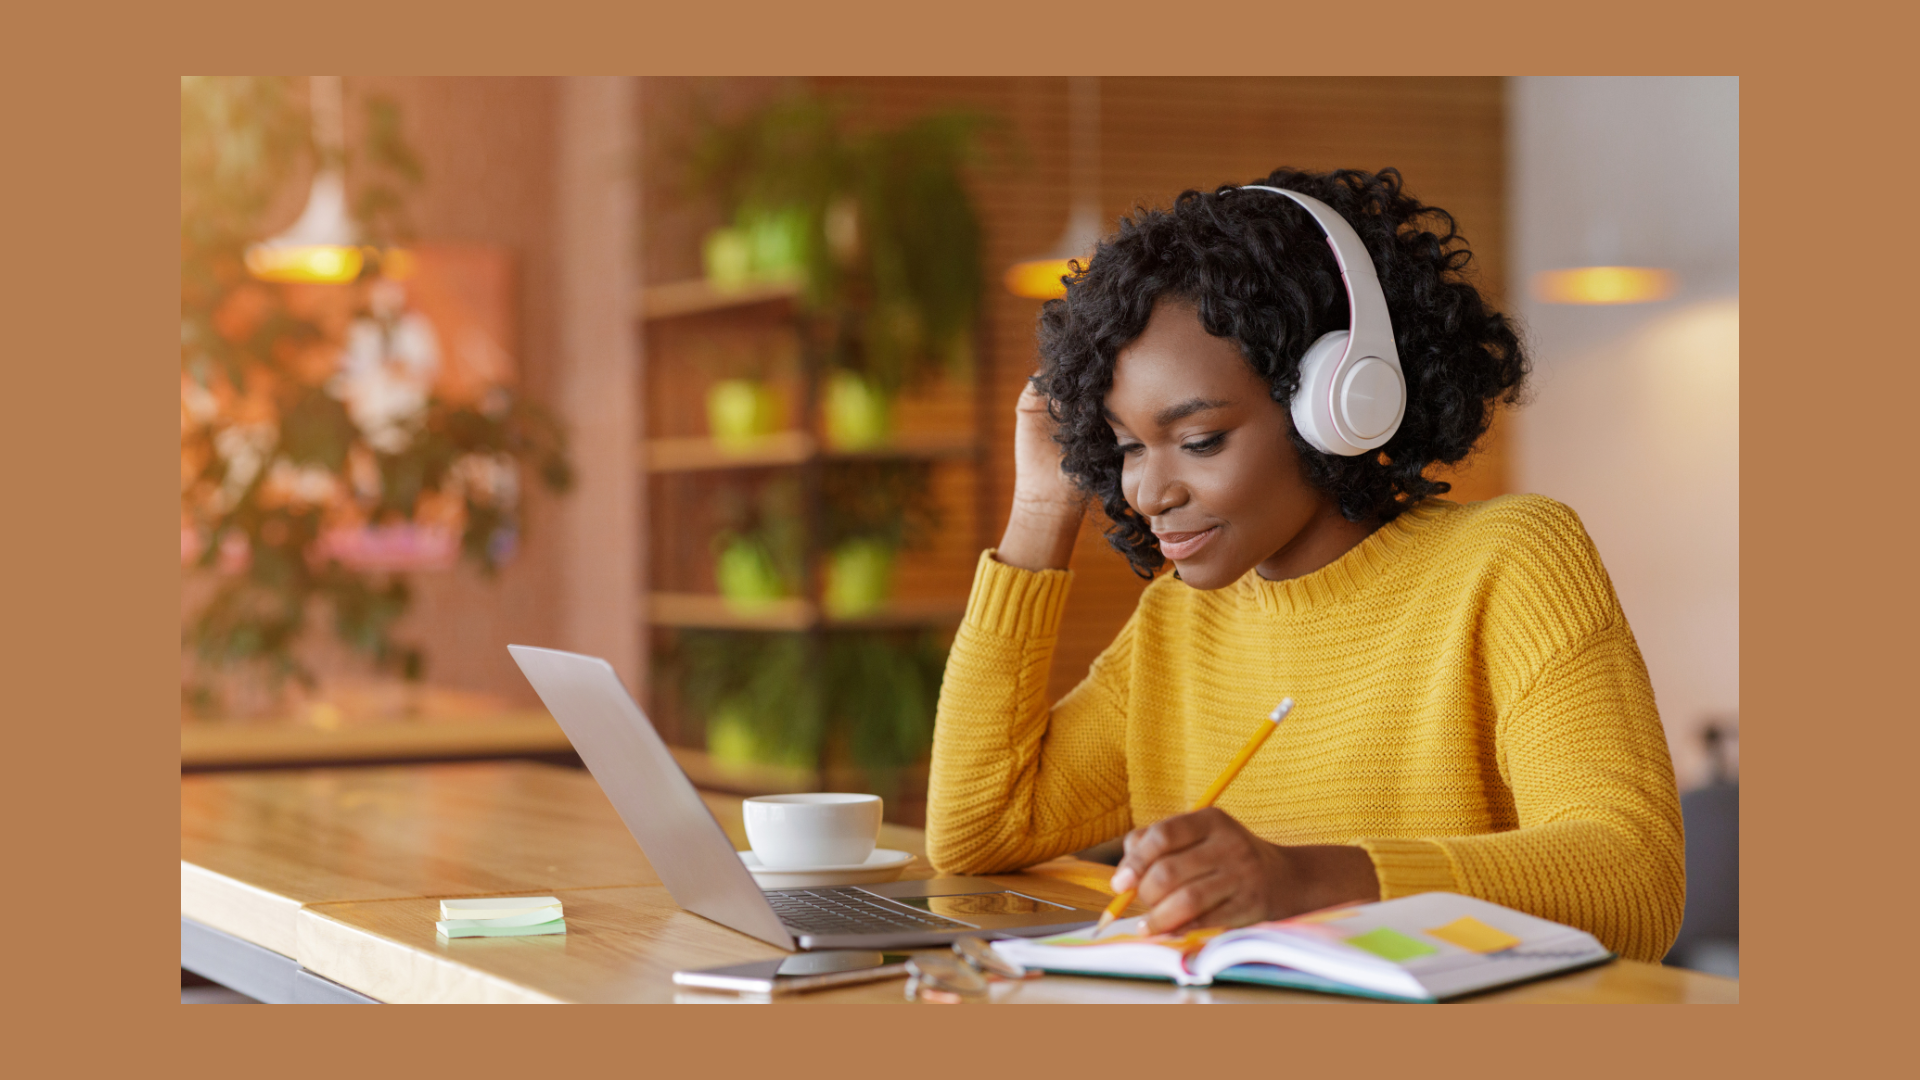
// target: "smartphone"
[[799, 972]]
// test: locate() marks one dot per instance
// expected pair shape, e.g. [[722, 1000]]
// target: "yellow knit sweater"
[[1472, 710]]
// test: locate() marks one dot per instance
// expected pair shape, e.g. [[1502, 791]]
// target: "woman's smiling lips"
[[1183, 545]]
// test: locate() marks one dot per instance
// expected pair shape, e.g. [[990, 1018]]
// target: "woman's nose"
[[1156, 489]]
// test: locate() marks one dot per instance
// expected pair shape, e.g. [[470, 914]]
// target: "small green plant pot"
[[777, 243], [727, 257], [730, 736], [747, 578], [859, 417], [859, 578], [741, 412], [758, 248]]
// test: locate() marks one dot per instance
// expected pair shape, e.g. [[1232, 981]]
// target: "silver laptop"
[[703, 872]]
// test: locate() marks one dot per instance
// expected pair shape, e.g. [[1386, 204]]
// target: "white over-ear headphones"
[[1352, 394]]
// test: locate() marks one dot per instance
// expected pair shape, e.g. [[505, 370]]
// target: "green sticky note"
[[1390, 944], [556, 926], [531, 918]]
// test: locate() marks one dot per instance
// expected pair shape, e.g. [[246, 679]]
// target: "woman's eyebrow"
[[1185, 409], [1175, 412]]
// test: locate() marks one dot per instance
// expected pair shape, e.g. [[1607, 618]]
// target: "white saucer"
[[883, 865]]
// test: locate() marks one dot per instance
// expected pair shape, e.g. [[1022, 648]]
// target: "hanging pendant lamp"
[[1604, 285], [1039, 278], [323, 245], [1605, 277]]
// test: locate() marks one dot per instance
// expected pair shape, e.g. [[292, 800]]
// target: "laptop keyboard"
[[848, 911]]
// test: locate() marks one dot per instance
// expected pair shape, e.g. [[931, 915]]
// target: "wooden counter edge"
[[388, 970], [246, 911]]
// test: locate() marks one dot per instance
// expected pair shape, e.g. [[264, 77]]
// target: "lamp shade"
[[320, 246], [1040, 278], [323, 244], [1604, 285]]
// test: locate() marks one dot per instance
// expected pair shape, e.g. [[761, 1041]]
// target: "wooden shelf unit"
[[691, 454], [700, 297], [695, 334]]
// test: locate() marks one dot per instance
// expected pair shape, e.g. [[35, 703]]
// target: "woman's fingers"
[[1201, 867], [1145, 846], [1198, 891], [1187, 903], [1163, 838], [1038, 484]]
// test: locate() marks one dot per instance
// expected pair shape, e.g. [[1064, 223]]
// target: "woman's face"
[[1208, 461]]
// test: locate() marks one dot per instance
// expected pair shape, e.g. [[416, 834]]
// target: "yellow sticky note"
[[1474, 936]]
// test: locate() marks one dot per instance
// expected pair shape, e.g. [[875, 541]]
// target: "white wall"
[[1635, 418]]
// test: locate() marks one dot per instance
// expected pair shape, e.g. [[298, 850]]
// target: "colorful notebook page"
[[1390, 944], [1474, 936]]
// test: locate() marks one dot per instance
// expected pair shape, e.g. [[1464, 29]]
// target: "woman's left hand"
[[1207, 869]]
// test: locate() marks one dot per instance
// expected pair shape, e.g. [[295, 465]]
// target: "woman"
[[1473, 714]]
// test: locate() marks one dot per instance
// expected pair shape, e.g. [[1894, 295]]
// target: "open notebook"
[[1426, 947]]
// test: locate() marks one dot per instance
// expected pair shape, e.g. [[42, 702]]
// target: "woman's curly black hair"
[[1257, 267]]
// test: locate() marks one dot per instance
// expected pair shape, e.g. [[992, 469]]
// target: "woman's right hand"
[[1038, 483], [1047, 508]]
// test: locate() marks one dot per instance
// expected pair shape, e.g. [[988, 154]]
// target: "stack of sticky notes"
[[501, 916]]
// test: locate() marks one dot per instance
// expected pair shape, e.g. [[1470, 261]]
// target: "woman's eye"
[[1205, 446], [1131, 447]]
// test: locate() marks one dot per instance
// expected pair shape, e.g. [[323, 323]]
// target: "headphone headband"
[[1370, 327], [1352, 392]]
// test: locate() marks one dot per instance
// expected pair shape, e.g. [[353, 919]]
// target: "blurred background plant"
[[874, 224], [873, 509], [875, 228], [760, 548], [311, 412], [872, 695]]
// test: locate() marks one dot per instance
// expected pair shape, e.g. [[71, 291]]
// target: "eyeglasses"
[[961, 976]]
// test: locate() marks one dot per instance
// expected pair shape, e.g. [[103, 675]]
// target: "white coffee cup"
[[817, 829]]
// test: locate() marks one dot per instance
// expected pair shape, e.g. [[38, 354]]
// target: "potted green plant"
[[758, 551], [873, 508], [741, 412], [760, 248], [876, 222], [771, 698], [760, 705], [285, 439]]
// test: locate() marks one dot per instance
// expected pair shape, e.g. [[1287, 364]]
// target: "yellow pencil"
[[1226, 776]]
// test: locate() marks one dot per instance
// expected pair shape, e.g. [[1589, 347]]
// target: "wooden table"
[[332, 878]]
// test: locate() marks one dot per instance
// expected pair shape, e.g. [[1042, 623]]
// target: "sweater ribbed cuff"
[[1406, 867], [1016, 603]]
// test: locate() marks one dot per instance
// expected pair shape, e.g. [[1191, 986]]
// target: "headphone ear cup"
[[1313, 402]]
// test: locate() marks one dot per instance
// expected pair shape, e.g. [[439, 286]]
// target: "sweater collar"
[[1350, 572]]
